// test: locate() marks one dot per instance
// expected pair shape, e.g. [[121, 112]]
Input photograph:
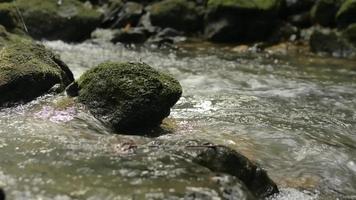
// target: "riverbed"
[[295, 115]]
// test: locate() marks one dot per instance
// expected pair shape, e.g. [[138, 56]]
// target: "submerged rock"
[[241, 21], [128, 96], [221, 159], [28, 70], [70, 20], [182, 15], [346, 14]]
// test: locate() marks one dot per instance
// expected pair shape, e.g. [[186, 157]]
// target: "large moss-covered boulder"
[[69, 20], [324, 12], [221, 159], [183, 15], [346, 14], [128, 96], [28, 70], [241, 21]]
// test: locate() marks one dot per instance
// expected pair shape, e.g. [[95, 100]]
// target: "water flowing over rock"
[[128, 96], [28, 70], [221, 159]]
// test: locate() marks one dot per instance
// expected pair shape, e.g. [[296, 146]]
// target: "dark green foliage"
[[324, 12], [346, 14]]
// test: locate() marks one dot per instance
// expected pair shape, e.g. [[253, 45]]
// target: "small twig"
[[20, 16]]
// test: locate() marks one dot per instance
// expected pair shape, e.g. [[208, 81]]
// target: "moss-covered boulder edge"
[[68, 20], [28, 70], [127, 96]]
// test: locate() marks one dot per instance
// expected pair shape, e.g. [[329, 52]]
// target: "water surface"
[[295, 115]]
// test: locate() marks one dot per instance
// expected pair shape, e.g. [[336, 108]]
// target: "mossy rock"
[[69, 21], [324, 12], [330, 42], [350, 33], [8, 16], [346, 14], [241, 21], [128, 96], [266, 5], [28, 70], [183, 15]]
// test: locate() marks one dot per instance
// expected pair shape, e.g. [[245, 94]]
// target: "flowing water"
[[295, 115]]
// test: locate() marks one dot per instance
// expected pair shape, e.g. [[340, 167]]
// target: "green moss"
[[164, 14], [8, 16], [128, 95], [70, 21], [346, 14], [250, 4], [28, 70]]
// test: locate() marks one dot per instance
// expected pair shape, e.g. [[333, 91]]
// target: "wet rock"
[[135, 35], [346, 14], [350, 33], [28, 70], [111, 9], [330, 42], [129, 15], [167, 36], [145, 22], [241, 21], [95, 2], [285, 32], [182, 15], [2, 194], [293, 7], [301, 20], [324, 12], [128, 96], [221, 159], [69, 20]]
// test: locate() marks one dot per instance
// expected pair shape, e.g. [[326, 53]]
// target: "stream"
[[295, 115]]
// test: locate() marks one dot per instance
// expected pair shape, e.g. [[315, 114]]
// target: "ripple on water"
[[296, 116]]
